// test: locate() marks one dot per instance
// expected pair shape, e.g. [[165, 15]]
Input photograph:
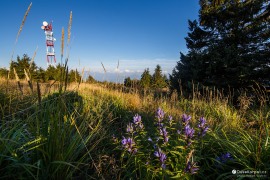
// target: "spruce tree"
[[158, 80], [146, 77], [230, 46]]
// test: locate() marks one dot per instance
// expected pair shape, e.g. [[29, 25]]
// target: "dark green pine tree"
[[230, 47], [158, 80], [192, 67], [21, 64], [146, 78], [127, 82]]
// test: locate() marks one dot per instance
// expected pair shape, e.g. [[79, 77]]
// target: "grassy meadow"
[[62, 130], [78, 133]]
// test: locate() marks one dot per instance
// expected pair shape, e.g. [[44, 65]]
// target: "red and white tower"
[[49, 42]]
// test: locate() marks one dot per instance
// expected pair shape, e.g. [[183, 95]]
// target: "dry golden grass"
[[62, 42], [23, 21], [69, 27], [16, 75], [33, 58], [132, 101], [12, 87], [216, 111]]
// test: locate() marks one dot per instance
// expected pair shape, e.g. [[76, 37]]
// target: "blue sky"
[[138, 33]]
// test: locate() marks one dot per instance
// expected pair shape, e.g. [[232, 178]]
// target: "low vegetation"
[[90, 131]]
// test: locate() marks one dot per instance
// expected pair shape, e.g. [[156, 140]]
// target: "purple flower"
[[203, 131], [160, 125], [202, 128], [149, 139], [185, 119], [129, 128], [128, 143], [191, 168], [224, 158], [162, 157], [160, 114], [227, 156], [164, 133], [189, 132], [163, 166], [178, 132], [202, 122], [124, 141], [137, 119]]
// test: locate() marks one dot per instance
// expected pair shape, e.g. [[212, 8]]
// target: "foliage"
[[158, 80], [54, 73], [133, 83], [90, 79], [146, 78], [37, 73], [68, 136], [74, 76], [230, 47], [20, 65], [3, 72]]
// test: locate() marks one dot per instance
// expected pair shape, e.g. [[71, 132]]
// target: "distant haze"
[[113, 77]]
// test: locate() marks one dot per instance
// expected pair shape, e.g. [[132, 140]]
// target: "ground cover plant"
[[95, 132]]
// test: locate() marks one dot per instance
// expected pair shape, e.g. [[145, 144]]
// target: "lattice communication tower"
[[50, 53]]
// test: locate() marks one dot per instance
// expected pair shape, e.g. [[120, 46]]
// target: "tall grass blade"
[[33, 58], [69, 27], [62, 43], [23, 21], [28, 80]]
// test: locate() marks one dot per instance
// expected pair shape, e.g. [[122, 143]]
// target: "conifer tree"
[[146, 77], [230, 47], [158, 80]]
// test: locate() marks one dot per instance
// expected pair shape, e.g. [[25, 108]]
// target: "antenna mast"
[[49, 43]]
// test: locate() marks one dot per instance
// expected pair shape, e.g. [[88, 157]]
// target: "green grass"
[[70, 134]]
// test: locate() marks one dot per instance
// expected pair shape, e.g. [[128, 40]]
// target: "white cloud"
[[127, 71]]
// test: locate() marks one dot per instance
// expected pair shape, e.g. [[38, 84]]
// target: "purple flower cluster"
[[188, 131], [162, 157], [191, 168], [202, 127], [160, 115], [165, 127], [129, 144], [185, 119]]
